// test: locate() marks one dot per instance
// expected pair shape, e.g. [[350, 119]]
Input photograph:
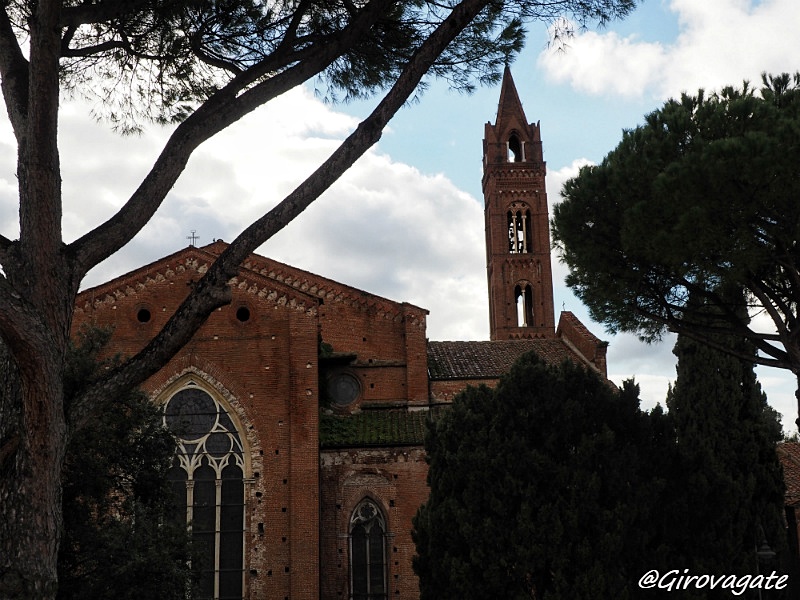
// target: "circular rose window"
[[343, 388]]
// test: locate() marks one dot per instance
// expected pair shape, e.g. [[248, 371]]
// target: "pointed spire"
[[509, 105]]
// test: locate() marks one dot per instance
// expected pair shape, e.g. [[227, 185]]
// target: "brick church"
[[300, 408]]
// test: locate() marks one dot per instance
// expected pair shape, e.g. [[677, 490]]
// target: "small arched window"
[[516, 149], [523, 296], [367, 553], [207, 478], [519, 231]]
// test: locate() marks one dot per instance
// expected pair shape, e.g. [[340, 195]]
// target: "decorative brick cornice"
[[510, 173], [332, 291], [260, 276]]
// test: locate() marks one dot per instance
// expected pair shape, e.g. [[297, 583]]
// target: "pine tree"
[[703, 193]]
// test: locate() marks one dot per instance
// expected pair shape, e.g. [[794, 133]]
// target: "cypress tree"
[[534, 490], [726, 482]]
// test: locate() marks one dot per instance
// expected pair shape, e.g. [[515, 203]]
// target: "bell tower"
[[517, 224]]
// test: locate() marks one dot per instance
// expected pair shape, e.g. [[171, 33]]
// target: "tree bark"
[[30, 485], [35, 323]]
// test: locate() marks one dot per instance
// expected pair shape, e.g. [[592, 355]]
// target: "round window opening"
[[143, 316], [343, 388]]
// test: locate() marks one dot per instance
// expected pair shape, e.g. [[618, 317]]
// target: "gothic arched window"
[[519, 231], [207, 478], [523, 295], [516, 149], [367, 553]]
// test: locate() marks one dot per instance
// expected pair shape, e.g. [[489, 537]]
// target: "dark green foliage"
[[726, 486], [534, 490], [703, 194], [119, 538], [556, 486]]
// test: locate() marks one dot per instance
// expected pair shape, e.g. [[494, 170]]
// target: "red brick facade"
[[328, 386], [393, 477], [517, 224], [262, 365]]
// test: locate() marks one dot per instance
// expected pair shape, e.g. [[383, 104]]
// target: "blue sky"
[[406, 222], [442, 132]]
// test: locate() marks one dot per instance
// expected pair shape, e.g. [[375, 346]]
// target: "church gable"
[[182, 269], [327, 290], [383, 340]]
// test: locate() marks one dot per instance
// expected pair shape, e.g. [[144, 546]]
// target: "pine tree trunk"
[[30, 490], [36, 329]]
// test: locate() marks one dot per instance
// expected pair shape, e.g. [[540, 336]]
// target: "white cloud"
[[721, 42], [596, 64], [384, 227], [388, 229], [556, 179], [555, 182]]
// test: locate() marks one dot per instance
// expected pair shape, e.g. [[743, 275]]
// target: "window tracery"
[[207, 477], [367, 553]]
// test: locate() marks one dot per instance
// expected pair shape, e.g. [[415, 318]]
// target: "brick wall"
[[393, 478], [264, 369], [446, 390]]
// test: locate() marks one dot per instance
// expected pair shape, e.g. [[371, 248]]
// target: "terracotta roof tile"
[[789, 454], [373, 428], [479, 360]]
